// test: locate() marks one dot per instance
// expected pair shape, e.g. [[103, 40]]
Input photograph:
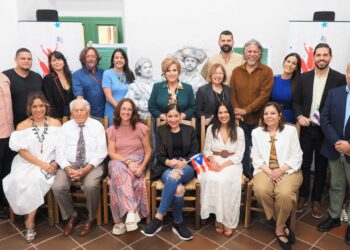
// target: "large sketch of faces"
[[190, 58], [144, 68]]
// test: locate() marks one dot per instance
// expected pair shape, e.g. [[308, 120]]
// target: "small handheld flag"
[[200, 163]]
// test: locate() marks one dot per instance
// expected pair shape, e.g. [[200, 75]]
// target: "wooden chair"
[[193, 186], [49, 205], [105, 187], [251, 198], [77, 193]]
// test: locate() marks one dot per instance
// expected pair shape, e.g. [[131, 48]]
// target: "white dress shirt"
[[287, 148], [95, 143]]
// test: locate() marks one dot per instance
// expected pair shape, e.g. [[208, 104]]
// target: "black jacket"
[[205, 100], [304, 91], [164, 147]]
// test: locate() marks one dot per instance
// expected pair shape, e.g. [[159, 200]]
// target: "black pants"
[[311, 139], [246, 162], [6, 157]]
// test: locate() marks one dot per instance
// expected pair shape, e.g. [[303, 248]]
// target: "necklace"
[[121, 78], [41, 138]]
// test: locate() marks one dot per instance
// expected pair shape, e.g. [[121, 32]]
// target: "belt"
[[223, 153]]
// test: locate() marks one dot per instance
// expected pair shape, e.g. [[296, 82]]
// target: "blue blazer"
[[332, 122]]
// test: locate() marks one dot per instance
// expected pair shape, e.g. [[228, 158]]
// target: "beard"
[[90, 65], [226, 48], [321, 67]]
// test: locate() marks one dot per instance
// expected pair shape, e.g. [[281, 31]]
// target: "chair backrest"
[[192, 122], [203, 131]]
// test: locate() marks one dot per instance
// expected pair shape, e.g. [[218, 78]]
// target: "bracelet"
[[127, 162]]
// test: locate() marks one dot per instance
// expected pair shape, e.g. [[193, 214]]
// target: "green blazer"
[[158, 101]]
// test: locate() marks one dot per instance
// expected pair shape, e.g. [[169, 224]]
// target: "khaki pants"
[[277, 199], [90, 185]]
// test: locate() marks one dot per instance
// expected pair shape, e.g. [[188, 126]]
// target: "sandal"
[[219, 228], [30, 234], [284, 245], [119, 229], [228, 231], [290, 235]]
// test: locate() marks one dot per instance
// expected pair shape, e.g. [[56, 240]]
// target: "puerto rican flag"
[[200, 163]]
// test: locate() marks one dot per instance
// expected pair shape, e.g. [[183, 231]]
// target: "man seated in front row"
[[80, 153]]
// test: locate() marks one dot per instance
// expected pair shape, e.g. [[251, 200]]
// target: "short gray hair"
[[77, 101], [255, 42]]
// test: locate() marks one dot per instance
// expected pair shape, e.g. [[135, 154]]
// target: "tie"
[[273, 154], [80, 157]]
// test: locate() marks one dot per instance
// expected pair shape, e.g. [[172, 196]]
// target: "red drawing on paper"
[[309, 63], [44, 66]]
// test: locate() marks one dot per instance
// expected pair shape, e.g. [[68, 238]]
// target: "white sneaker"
[[119, 229]]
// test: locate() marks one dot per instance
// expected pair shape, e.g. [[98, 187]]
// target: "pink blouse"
[[128, 141]]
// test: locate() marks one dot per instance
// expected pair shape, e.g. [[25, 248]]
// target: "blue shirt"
[[118, 85], [84, 85], [347, 106]]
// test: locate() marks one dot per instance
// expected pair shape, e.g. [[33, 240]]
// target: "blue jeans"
[[169, 192]]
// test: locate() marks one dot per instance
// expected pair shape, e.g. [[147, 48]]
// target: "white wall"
[[156, 28], [160, 28]]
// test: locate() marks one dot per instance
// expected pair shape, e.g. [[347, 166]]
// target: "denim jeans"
[[169, 196]]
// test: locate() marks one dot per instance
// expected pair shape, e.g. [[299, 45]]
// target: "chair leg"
[[50, 208], [154, 200], [105, 201], [248, 205], [198, 205], [148, 189], [12, 216]]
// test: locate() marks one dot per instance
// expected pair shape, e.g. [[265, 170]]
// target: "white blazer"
[[287, 148]]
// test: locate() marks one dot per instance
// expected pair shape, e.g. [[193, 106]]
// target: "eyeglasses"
[[126, 109]]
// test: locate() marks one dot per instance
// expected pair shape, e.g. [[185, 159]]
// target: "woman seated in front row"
[[175, 145], [34, 167], [221, 186], [130, 150], [276, 157]]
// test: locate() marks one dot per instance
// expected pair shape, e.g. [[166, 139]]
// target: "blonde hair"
[[212, 70], [168, 61]]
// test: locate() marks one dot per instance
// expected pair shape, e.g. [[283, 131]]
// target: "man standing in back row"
[[226, 57], [23, 81], [87, 82], [251, 86], [310, 95]]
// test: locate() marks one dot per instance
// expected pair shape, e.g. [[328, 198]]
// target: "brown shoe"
[[316, 210], [301, 204], [86, 228], [72, 222]]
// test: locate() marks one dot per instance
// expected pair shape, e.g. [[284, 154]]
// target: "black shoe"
[[290, 236], [182, 231], [151, 229], [347, 236], [284, 245], [4, 214], [328, 224]]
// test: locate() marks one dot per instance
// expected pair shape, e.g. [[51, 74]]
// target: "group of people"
[[249, 117]]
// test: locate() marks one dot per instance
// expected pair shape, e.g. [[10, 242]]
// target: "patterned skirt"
[[127, 191]]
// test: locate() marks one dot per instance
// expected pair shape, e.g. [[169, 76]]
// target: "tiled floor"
[[259, 236]]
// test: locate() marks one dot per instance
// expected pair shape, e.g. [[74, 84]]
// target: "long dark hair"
[[297, 71], [231, 126], [117, 120], [128, 73], [66, 71]]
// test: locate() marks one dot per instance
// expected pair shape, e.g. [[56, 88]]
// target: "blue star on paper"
[[58, 25], [324, 25]]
